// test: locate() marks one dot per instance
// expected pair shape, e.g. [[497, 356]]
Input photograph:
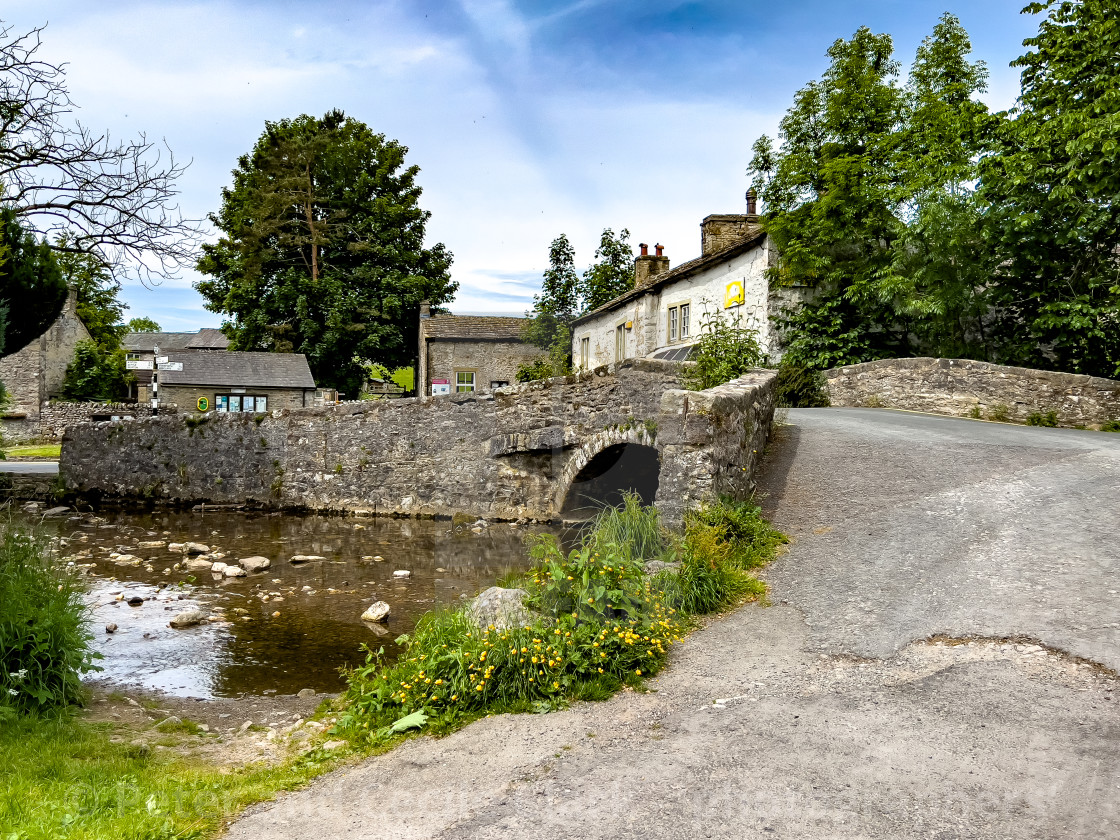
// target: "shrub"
[[798, 386], [724, 352], [1049, 419], [1111, 426], [44, 640]]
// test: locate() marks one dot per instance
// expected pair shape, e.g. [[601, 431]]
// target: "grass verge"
[[48, 452]]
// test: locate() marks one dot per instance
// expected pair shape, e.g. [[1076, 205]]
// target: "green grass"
[[63, 778], [601, 623], [47, 451]]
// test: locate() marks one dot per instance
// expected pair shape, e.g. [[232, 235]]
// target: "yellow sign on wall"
[[733, 296], [203, 404]]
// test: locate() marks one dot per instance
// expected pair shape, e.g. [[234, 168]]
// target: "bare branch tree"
[[114, 199]]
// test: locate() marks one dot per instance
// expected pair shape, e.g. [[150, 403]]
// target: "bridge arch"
[[607, 464]]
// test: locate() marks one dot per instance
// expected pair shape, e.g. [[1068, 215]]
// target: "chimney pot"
[[645, 249], [752, 202], [658, 249]]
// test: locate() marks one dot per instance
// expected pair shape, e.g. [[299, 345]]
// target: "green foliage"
[[725, 351], [869, 202], [1054, 217], [798, 386], [143, 325], [1038, 418], [1111, 426], [95, 374], [32, 287], [1000, 413], [601, 622], [558, 362], [322, 251], [44, 641], [611, 274]]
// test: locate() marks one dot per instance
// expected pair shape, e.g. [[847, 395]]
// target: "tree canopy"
[[32, 286], [322, 251], [143, 325]]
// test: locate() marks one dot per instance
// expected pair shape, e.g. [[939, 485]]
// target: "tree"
[[613, 272], [32, 287], [1052, 196], [868, 200], [95, 374], [323, 251], [143, 325], [114, 199]]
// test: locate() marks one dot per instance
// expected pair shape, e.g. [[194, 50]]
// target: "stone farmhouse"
[[35, 374], [663, 315], [462, 354], [233, 381]]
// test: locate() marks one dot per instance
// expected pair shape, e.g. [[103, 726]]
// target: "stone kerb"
[[967, 388]]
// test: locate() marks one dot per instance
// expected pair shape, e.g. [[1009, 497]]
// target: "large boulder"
[[254, 564], [378, 611], [504, 609]]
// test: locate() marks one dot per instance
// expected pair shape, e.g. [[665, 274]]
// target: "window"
[[498, 383], [132, 357], [585, 353], [679, 327], [240, 402], [620, 342], [464, 381]]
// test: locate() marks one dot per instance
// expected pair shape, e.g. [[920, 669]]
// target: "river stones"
[[176, 547], [254, 564], [234, 571], [195, 548], [197, 564], [402, 573], [56, 511], [378, 611], [501, 608], [135, 601], [187, 618], [151, 544], [305, 558]]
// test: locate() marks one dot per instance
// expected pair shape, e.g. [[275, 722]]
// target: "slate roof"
[[685, 269], [479, 327], [207, 338], [238, 369]]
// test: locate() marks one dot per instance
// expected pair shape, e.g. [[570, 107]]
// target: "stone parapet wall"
[[54, 417], [502, 455], [965, 388]]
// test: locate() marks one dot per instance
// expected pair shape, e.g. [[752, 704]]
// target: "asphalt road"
[[30, 467], [938, 662]]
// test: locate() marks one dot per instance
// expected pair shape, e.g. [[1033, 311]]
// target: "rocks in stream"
[[233, 571], [254, 564], [187, 618], [402, 573], [195, 548], [504, 609], [135, 601], [110, 628], [56, 511], [305, 558], [198, 564], [377, 612]]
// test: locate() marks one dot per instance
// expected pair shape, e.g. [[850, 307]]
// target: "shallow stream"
[[288, 628]]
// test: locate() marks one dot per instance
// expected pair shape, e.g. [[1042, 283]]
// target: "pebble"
[[110, 628], [402, 573], [135, 601]]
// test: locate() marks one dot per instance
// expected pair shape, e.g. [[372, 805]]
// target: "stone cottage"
[[233, 381], [35, 374], [662, 316], [470, 353], [140, 350]]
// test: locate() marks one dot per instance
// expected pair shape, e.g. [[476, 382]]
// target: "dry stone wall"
[[965, 388], [499, 455]]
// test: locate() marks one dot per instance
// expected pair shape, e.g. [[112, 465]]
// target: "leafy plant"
[[799, 386], [1111, 426], [1037, 418], [725, 351], [44, 640]]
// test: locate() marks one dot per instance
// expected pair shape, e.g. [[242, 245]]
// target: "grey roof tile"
[[237, 369]]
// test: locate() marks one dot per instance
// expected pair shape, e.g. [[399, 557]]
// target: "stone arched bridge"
[[539, 451]]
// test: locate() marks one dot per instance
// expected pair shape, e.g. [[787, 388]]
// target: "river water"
[[283, 630]]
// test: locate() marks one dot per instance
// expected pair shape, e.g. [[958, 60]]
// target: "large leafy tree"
[[322, 249], [32, 286], [611, 274], [1053, 193], [869, 201]]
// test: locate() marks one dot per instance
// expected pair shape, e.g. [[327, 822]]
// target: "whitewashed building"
[[663, 315]]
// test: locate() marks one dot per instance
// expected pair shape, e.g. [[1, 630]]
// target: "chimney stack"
[[752, 203], [425, 309], [648, 266]]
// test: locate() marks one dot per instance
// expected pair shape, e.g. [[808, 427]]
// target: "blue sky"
[[527, 119]]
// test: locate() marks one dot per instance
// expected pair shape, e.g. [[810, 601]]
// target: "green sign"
[[203, 404]]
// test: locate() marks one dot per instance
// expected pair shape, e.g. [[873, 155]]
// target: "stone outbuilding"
[[233, 381], [470, 353], [664, 314], [140, 348], [35, 374]]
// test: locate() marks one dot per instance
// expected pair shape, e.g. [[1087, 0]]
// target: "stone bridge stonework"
[[508, 455]]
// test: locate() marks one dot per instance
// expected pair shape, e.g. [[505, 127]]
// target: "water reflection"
[[288, 628]]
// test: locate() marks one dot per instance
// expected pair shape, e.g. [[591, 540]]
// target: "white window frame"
[[585, 353], [620, 342], [685, 320], [461, 386]]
